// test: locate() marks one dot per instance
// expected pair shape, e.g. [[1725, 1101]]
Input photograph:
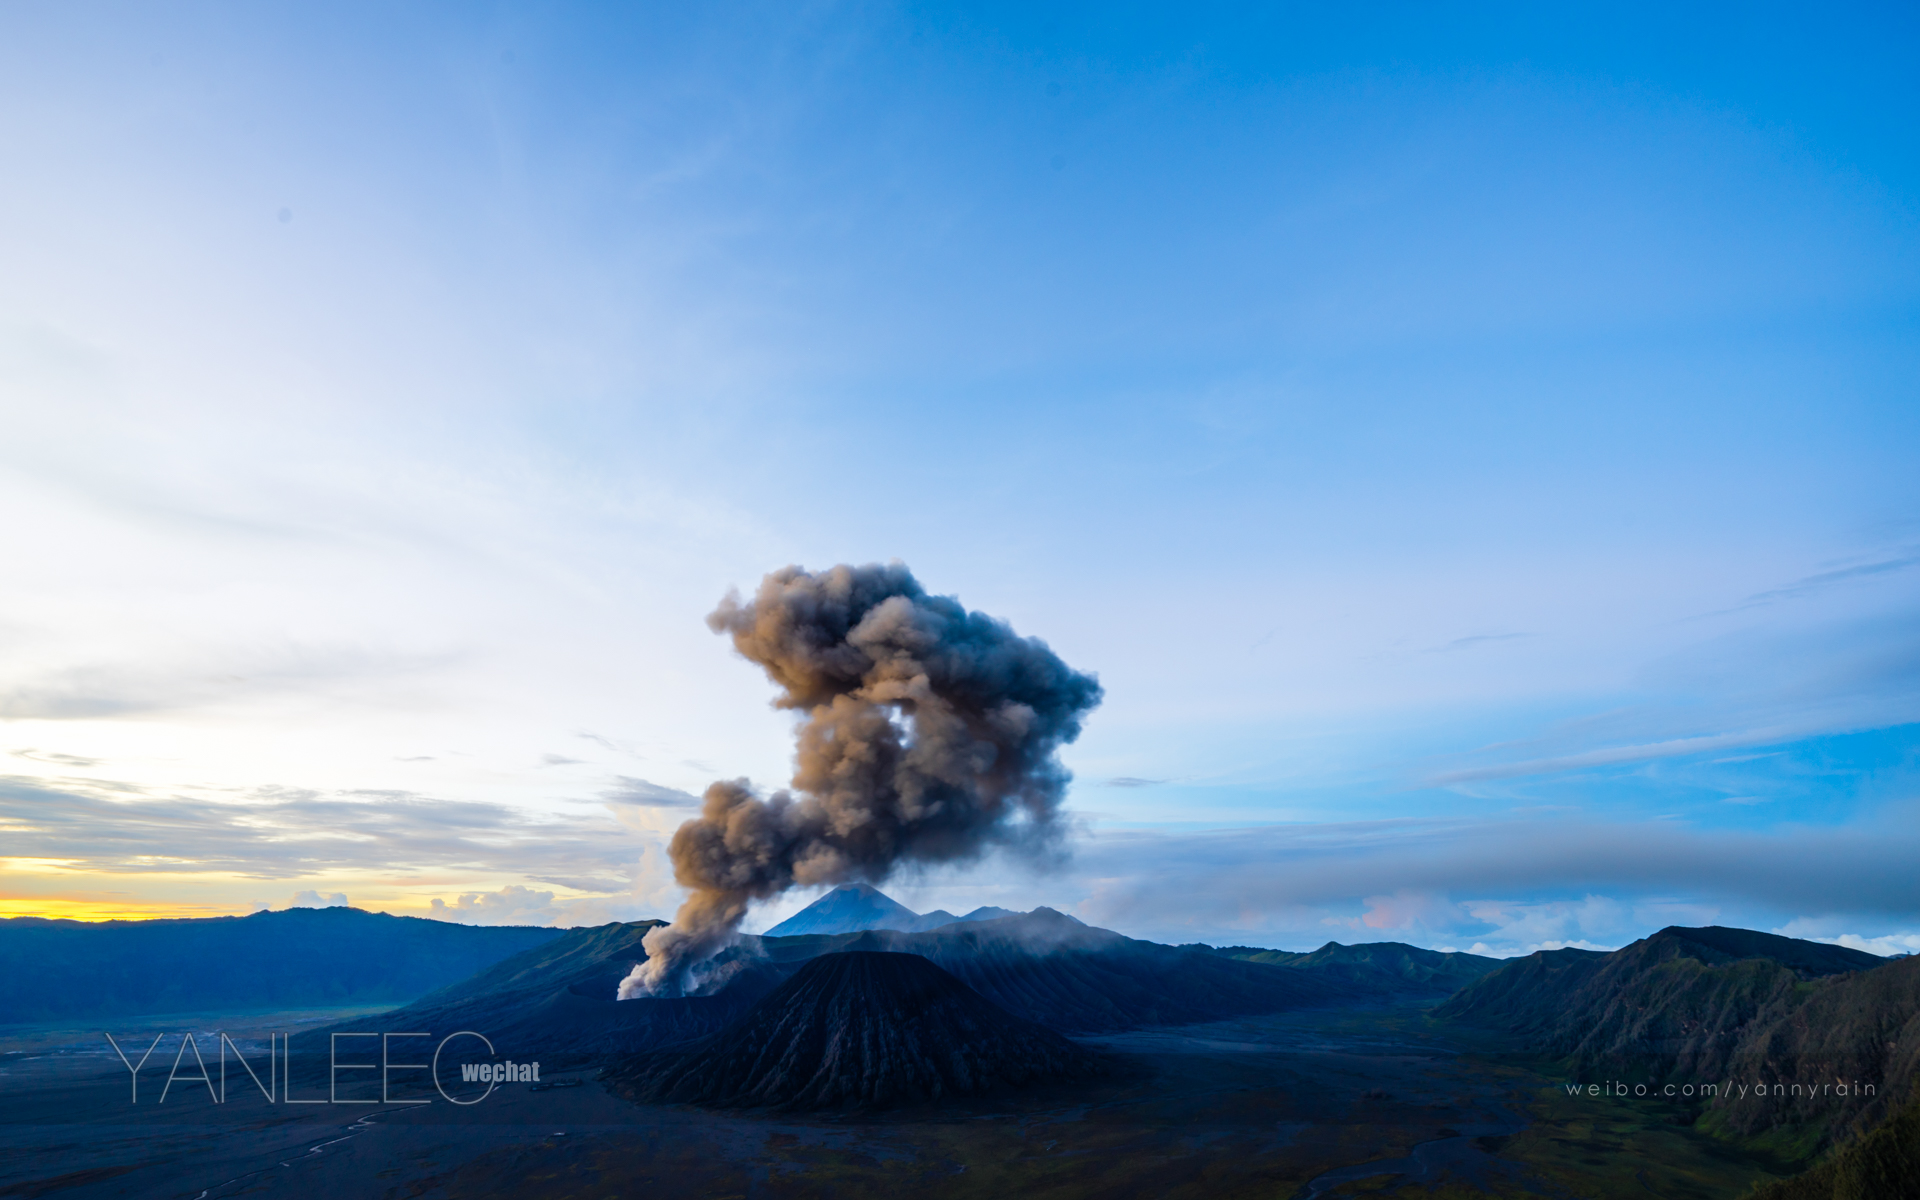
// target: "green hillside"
[[1807, 1045], [1882, 1165]]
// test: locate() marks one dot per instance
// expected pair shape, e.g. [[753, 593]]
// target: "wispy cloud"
[[1433, 872], [1820, 582], [290, 833], [54, 759], [1607, 757], [83, 692], [1825, 579], [648, 807], [313, 899], [1478, 639], [517, 904], [645, 794]]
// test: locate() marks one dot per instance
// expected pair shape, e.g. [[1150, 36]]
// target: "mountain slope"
[[1047, 967], [1723, 1006], [1435, 971], [857, 907], [556, 1002], [850, 908], [1668, 1003], [1862, 1027], [987, 912], [578, 958], [862, 1029], [1528, 995], [1884, 1164], [301, 957]]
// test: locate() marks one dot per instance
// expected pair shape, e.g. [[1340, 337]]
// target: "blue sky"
[[1472, 445]]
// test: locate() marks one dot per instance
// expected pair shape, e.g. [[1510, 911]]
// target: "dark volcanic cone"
[[859, 1030]]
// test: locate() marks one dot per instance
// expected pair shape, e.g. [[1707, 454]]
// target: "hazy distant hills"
[[859, 1029], [1440, 972], [856, 907], [1047, 967], [302, 957], [1713, 1004], [558, 999], [549, 987]]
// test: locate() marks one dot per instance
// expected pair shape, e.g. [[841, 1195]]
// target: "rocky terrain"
[[864, 1029], [556, 1001], [1832, 1035]]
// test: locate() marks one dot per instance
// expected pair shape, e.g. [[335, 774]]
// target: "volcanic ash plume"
[[929, 735]]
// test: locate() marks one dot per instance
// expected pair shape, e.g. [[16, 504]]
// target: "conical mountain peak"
[[860, 1029]]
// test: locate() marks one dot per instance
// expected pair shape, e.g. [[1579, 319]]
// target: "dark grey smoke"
[[929, 734]]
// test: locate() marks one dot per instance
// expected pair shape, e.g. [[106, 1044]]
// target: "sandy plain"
[[1320, 1104]]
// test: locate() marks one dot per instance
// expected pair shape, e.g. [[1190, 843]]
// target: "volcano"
[[863, 1029], [856, 907]]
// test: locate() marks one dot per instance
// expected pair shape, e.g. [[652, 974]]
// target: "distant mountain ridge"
[[557, 1000], [1587, 1002], [857, 907], [296, 958], [1048, 967], [1443, 971]]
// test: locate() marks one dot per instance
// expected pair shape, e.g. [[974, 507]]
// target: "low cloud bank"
[[1498, 885], [112, 830], [1504, 886], [519, 905], [282, 833]]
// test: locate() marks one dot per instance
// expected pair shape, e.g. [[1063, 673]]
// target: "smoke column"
[[928, 734]]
